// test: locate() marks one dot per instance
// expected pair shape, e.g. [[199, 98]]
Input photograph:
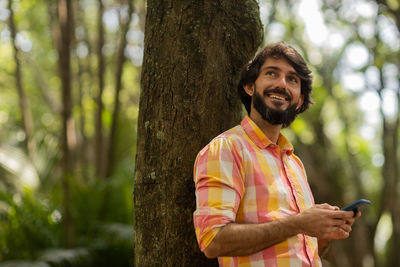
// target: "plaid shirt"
[[242, 177]]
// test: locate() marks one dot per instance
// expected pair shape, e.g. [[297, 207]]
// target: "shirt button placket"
[[290, 182]]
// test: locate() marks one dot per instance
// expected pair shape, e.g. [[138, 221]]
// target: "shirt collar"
[[261, 140]]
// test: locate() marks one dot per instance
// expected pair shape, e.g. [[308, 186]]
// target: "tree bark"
[[26, 116], [194, 51], [63, 43]]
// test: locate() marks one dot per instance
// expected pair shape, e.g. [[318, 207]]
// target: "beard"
[[274, 116]]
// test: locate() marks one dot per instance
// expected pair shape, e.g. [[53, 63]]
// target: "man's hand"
[[323, 221], [326, 222], [329, 225], [343, 231]]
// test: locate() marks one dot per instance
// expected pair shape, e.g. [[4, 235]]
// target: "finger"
[[335, 233], [343, 234], [340, 234], [338, 215], [331, 229], [343, 214], [350, 220], [325, 206], [336, 222], [347, 228]]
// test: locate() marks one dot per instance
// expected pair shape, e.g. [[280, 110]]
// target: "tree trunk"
[[390, 170], [26, 116], [84, 84], [63, 46], [42, 84], [111, 153], [99, 156], [396, 203], [194, 51], [390, 173]]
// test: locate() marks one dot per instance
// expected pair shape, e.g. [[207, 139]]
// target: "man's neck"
[[271, 131]]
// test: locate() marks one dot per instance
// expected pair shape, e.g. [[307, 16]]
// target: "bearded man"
[[254, 206]]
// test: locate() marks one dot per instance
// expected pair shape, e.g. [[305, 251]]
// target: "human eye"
[[270, 73], [294, 79]]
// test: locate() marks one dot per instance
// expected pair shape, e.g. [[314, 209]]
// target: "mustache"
[[277, 91]]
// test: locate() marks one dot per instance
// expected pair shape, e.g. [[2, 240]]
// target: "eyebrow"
[[277, 68]]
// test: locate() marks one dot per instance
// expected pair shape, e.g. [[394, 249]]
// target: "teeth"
[[277, 97]]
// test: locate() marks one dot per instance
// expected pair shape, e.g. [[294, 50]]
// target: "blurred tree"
[[63, 44], [65, 181], [390, 198], [99, 144], [341, 162], [26, 116], [329, 138], [121, 58], [83, 62], [194, 51]]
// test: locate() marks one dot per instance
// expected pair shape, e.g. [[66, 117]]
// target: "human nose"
[[281, 83]]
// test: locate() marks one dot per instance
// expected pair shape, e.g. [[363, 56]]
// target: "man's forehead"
[[278, 63]]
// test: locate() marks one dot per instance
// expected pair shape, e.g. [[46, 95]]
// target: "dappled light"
[[70, 84]]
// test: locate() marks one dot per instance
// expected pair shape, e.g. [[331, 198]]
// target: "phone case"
[[357, 205]]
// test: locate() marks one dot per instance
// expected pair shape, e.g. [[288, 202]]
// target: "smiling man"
[[254, 206]]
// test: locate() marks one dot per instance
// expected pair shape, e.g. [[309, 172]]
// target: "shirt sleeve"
[[218, 177]]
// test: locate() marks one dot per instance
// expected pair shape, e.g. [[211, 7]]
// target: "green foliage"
[[102, 209], [114, 246], [119, 194], [27, 225], [341, 137], [102, 201], [332, 131], [67, 257], [102, 213]]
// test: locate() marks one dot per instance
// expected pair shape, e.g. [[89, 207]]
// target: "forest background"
[[69, 104]]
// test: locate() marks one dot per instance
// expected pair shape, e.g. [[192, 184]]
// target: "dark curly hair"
[[276, 51]]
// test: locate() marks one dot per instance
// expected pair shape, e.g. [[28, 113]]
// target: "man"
[[254, 204]]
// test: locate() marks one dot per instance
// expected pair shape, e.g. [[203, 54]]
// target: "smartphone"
[[357, 205]]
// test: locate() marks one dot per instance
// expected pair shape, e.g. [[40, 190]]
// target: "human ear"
[[249, 89], [301, 101]]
